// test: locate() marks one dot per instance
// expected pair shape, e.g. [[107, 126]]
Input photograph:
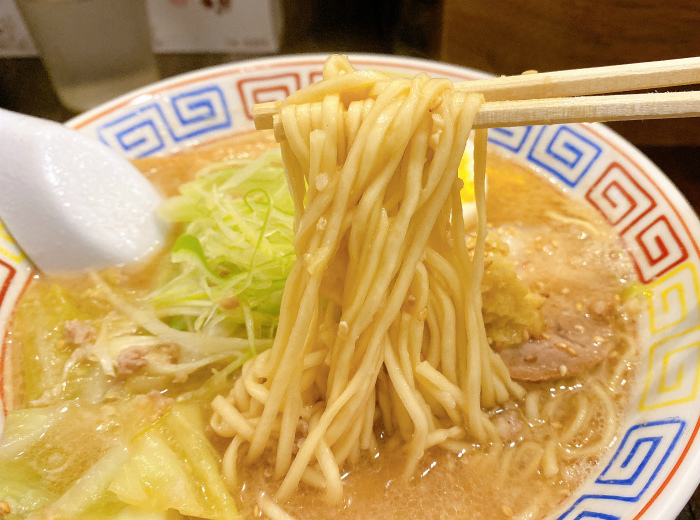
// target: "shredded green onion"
[[228, 267]]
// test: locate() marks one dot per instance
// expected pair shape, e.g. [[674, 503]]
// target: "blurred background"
[[496, 36]]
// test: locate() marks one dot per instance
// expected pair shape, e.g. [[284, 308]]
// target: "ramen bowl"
[[653, 466]]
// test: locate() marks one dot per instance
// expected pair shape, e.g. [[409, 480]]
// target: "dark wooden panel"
[[511, 36]]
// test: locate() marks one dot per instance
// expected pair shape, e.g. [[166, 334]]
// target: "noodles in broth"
[[421, 364], [381, 320]]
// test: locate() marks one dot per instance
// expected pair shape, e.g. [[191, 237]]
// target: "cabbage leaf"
[[132, 454], [173, 466]]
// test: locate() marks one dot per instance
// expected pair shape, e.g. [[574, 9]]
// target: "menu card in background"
[[180, 26]]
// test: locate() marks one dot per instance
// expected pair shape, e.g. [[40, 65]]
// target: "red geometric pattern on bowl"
[[315, 76], [7, 274], [661, 246], [619, 197], [265, 88]]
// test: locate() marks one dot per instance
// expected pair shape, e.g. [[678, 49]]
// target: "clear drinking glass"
[[93, 50]]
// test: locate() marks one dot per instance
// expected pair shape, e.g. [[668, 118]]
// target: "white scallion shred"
[[221, 289]]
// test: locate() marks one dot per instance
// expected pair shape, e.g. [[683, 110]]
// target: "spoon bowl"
[[70, 202]]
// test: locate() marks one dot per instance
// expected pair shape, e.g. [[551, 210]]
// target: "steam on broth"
[[362, 343]]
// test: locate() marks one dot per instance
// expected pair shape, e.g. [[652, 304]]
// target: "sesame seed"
[[423, 314], [565, 290], [579, 328], [321, 181], [562, 370], [531, 358], [561, 345], [506, 510], [571, 351], [598, 339], [598, 307]]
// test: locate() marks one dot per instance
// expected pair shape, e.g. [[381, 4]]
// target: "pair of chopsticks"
[[570, 96]]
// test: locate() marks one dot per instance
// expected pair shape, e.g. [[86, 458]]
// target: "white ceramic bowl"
[[654, 466]]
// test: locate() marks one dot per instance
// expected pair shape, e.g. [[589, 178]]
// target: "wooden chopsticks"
[[584, 82], [588, 109], [569, 96]]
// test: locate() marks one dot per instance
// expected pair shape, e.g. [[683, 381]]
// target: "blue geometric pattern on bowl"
[[564, 152], [639, 458], [593, 514], [149, 128], [138, 134], [198, 112], [511, 139]]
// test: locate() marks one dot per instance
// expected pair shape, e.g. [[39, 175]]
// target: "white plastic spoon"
[[69, 201]]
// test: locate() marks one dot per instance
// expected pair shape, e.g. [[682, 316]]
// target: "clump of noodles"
[[381, 316]]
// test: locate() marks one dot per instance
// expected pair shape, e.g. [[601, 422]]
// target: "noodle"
[[384, 289]]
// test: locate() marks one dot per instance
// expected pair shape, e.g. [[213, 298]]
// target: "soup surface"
[[576, 371]]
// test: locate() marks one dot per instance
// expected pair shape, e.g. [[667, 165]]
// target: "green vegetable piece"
[[134, 513], [173, 466], [89, 490], [24, 428], [47, 308], [191, 244], [227, 270], [22, 487], [186, 424]]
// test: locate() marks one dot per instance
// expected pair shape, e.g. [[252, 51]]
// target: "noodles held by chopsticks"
[[381, 316]]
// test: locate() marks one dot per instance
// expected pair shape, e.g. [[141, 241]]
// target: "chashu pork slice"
[[583, 273]]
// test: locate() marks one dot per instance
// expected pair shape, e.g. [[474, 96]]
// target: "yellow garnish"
[[466, 173]]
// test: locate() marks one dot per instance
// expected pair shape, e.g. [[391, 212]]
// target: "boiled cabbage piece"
[[173, 466], [140, 458]]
